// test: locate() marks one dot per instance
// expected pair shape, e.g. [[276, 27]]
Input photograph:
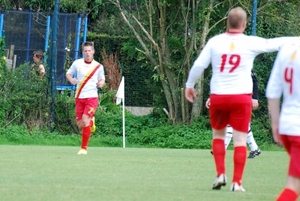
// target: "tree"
[[71, 6], [171, 33]]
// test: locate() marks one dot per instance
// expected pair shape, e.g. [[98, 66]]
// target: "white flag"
[[120, 92]]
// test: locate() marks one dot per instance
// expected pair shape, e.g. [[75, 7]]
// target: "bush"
[[141, 131]]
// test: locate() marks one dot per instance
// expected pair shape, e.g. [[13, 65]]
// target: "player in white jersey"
[[285, 81], [231, 56], [89, 75]]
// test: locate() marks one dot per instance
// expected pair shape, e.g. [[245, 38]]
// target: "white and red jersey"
[[231, 56], [285, 80], [82, 69]]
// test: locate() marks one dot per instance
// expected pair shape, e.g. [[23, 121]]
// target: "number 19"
[[234, 61]]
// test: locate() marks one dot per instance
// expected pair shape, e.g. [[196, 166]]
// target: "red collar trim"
[[234, 32], [87, 62]]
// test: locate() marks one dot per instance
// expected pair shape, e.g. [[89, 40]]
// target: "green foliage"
[[262, 131], [110, 43], [141, 88], [140, 131], [151, 131], [24, 95], [13, 134], [65, 122], [25, 98]]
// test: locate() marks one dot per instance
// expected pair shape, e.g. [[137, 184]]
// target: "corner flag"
[[120, 92], [121, 98]]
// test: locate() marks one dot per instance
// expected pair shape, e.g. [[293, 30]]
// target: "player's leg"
[[79, 107], [86, 132], [228, 136], [239, 119], [89, 111], [292, 187], [255, 151], [92, 124], [239, 159], [219, 158], [93, 103], [217, 111]]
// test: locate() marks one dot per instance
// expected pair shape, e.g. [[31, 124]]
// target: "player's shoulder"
[[227, 36], [255, 38], [292, 46], [216, 40], [289, 51], [78, 61], [219, 36], [97, 62]]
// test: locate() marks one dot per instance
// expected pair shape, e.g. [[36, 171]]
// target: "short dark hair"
[[87, 43], [38, 54]]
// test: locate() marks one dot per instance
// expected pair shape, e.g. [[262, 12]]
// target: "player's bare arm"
[[274, 112], [71, 79], [255, 104], [190, 94], [101, 83], [207, 103]]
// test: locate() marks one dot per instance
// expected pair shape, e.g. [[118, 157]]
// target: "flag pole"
[[121, 98], [123, 113]]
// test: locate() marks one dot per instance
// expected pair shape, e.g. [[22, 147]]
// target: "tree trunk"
[[198, 102]]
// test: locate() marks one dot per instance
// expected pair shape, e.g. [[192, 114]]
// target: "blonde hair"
[[86, 44]]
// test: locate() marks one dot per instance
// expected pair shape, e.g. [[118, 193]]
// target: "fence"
[[27, 31]]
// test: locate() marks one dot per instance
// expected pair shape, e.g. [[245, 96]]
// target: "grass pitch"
[[55, 173]]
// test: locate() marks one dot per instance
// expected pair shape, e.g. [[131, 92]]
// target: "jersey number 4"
[[234, 60], [288, 77]]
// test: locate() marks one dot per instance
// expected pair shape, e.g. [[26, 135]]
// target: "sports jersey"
[[82, 69], [231, 56], [285, 80]]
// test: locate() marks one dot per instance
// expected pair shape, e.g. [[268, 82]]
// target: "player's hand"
[[207, 103], [100, 84], [73, 81], [276, 135], [255, 104], [190, 94]]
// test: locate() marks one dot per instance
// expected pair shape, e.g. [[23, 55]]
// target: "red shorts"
[[234, 110], [86, 106], [292, 146]]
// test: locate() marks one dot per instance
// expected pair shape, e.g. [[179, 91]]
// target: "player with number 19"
[[231, 55], [285, 80]]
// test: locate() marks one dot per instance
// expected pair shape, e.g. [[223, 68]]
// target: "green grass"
[[57, 173]]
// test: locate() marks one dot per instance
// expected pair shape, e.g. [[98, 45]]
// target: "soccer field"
[[54, 173]]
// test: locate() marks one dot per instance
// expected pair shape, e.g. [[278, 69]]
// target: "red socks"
[[86, 132], [218, 149], [287, 195], [239, 160]]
